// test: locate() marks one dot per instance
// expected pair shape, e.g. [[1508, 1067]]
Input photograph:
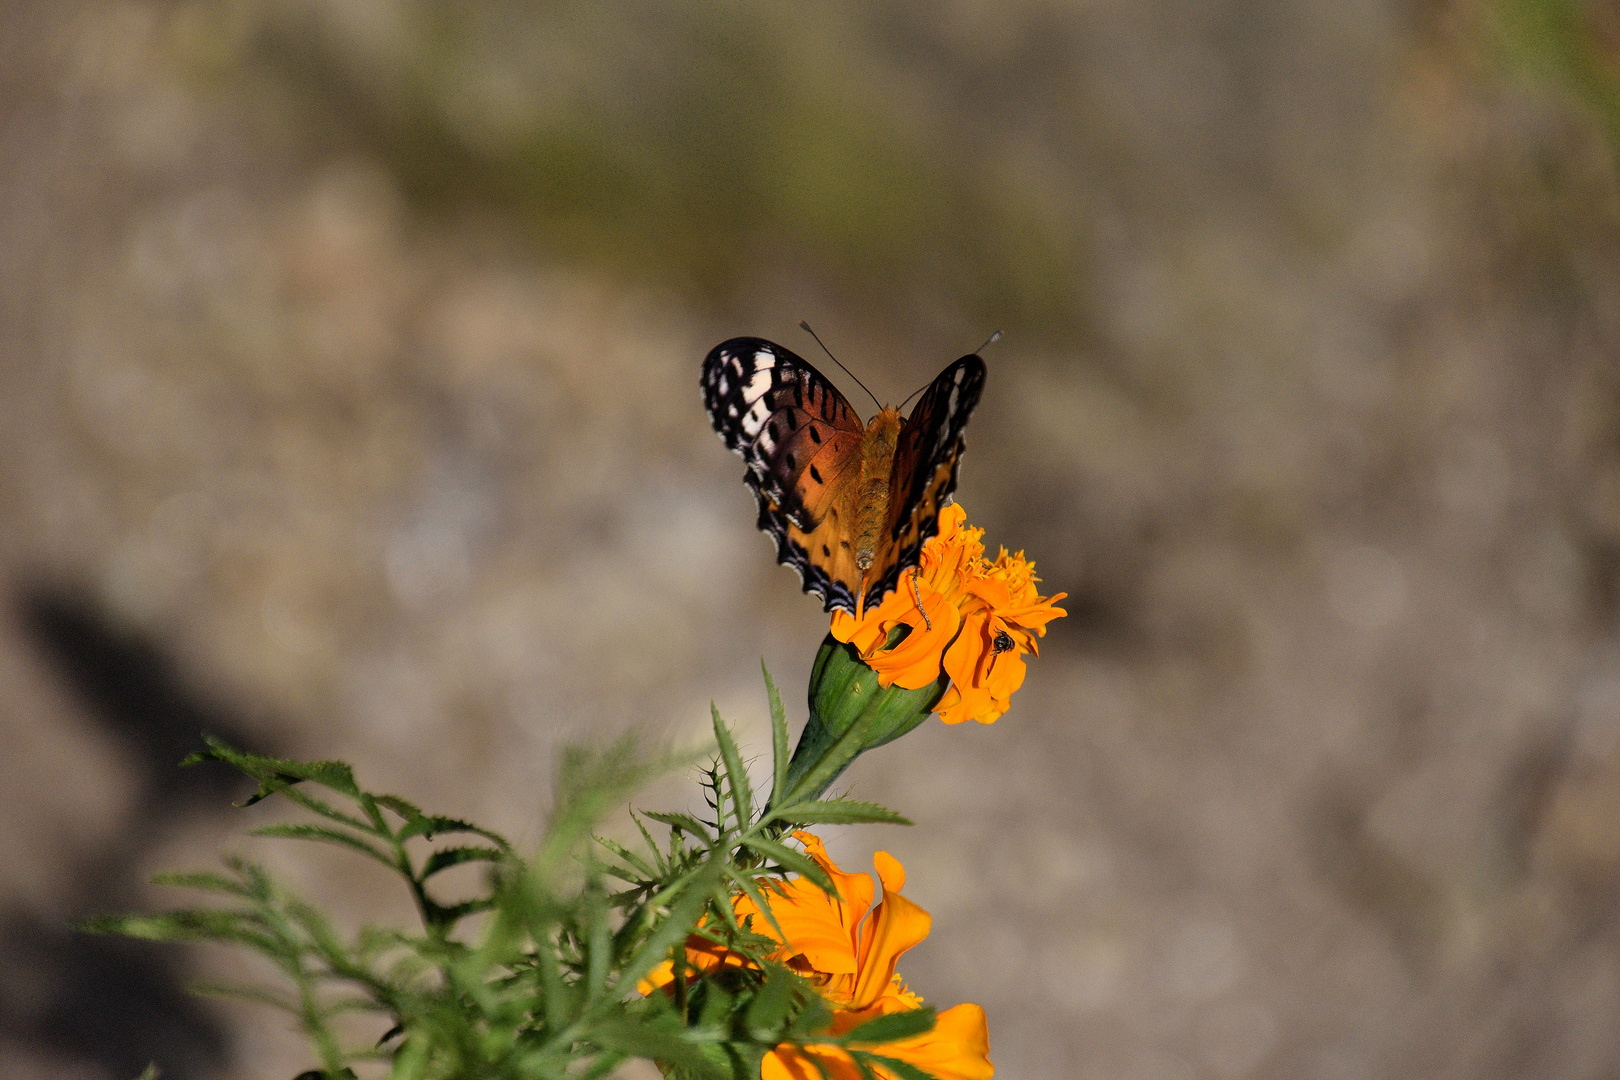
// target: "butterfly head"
[[884, 428]]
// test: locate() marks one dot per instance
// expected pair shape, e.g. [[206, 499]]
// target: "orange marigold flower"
[[849, 949], [967, 616]]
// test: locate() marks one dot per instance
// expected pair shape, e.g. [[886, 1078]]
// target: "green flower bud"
[[851, 713]]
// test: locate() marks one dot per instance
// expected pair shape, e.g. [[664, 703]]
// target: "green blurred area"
[[696, 146], [1571, 44]]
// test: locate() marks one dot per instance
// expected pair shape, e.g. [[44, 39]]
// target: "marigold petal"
[[789, 1062], [818, 927], [957, 1049], [951, 520], [988, 701], [868, 632], [913, 663], [890, 872], [854, 890], [656, 979], [896, 925]]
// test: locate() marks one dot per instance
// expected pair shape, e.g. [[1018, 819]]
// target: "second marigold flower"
[[848, 949]]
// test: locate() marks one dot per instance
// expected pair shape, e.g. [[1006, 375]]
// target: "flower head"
[[963, 614], [848, 949]]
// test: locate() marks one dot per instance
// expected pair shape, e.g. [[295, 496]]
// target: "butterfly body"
[[872, 497], [848, 504]]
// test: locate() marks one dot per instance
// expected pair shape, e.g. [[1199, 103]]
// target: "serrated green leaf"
[[598, 940], [448, 857], [772, 1003], [635, 862], [589, 785], [720, 900], [449, 916], [685, 822], [321, 834], [837, 812], [742, 794], [275, 773], [315, 924], [658, 857], [407, 811], [187, 926], [893, 1027], [779, 737], [429, 826], [789, 859], [744, 881], [256, 994], [323, 809], [715, 1006], [626, 897], [204, 880], [811, 1022]]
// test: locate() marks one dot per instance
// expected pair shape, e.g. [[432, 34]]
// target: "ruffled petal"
[[896, 925]]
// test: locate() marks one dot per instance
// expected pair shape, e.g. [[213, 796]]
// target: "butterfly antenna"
[[805, 326], [914, 393], [991, 340]]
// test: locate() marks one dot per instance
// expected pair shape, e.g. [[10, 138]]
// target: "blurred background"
[[348, 407]]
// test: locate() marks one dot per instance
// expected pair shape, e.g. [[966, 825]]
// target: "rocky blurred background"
[[348, 407]]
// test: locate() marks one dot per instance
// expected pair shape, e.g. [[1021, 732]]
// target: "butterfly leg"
[[917, 594]]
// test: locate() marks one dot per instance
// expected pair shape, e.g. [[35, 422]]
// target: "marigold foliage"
[[546, 987]]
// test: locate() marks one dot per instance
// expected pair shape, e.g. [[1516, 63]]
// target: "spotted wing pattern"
[[926, 461], [801, 440]]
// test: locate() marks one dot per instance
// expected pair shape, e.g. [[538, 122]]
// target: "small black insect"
[[1003, 641]]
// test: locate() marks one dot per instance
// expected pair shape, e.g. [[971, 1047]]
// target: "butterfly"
[[848, 504]]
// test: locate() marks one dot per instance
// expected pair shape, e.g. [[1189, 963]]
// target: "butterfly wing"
[[926, 460], [801, 440]]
